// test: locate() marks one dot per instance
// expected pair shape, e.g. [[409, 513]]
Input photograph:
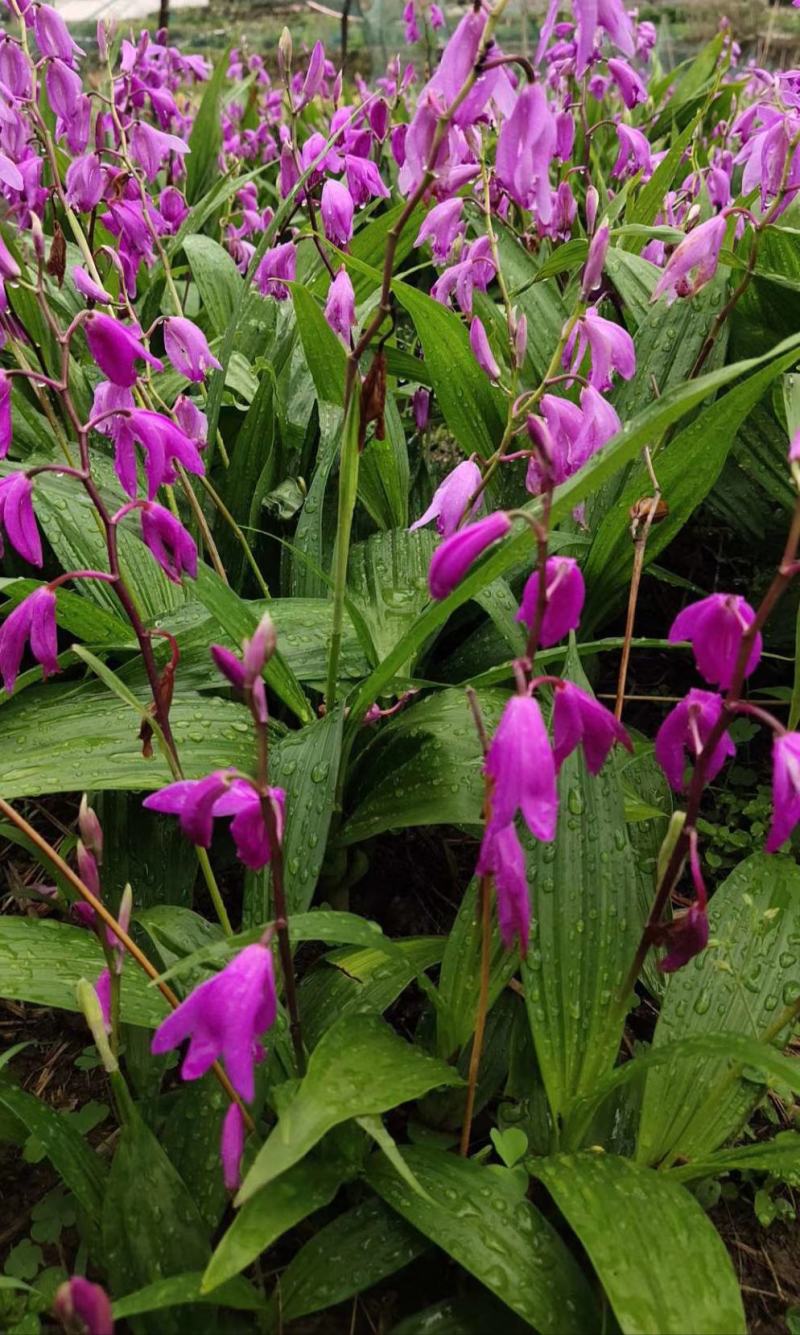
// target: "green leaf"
[[360, 1067], [61, 738], [324, 353], [779, 1156], [470, 406], [540, 302], [307, 579], [306, 765], [352, 982], [182, 1289], [151, 1226], [648, 796], [239, 619], [217, 278], [424, 767], [738, 984], [634, 278], [41, 961], [79, 1168], [624, 447], [383, 476], [205, 139], [612, 1205], [585, 929], [686, 469], [190, 1137], [387, 581], [306, 1187], [354, 1251], [460, 974], [479, 1219]]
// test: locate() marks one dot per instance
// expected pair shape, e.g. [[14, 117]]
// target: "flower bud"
[[91, 829], [285, 53], [520, 333], [37, 234], [595, 260], [89, 1004], [592, 205], [256, 652], [87, 868]]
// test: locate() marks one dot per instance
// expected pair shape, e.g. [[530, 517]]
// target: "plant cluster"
[[237, 308]]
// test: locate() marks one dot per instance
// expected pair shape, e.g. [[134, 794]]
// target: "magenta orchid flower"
[[17, 518], [33, 621], [340, 306], [421, 403], [188, 350], [503, 858], [276, 267], [595, 262], [224, 1019], [526, 147], [150, 148], [169, 542], [85, 182], [685, 732], [164, 445], [631, 88], [522, 770], [610, 349], [197, 802], [714, 627], [565, 593], [633, 154], [78, 1300], [441, 226], [482, 351], [687, 934], [451, 561], [363, 180], [785, 789], [693, 262], [116, 349], [451, 499], [336, 207], [53, 36], [88, 287], [580, 719]]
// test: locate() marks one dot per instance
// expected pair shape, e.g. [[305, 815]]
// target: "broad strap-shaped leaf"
[[587, 921], [306, 765], [359, 1067], [780, 1155], [151, 1227], [324, 353], [355, 1250], [217, 278], [467, 400], [662, 1264], [481, 1219], [363, 980], [459, 978], [206, 137], [180, 1290], [387, 583], [42, 961], [687, 470], [383, 475], [308, 577], [424, 767], [740, 983], [307, 1187], [61, 738]]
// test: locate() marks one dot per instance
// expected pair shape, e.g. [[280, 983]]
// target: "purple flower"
[[173, 208], [481, 350], [84, 182], [88, 287], [278, 263], [191, 419], [451, 498], [502, 857], [340, 306], [634, 151], [565, 595], [65, 94], [231, 667], [187, 348], [578, 717], [441, 226], [168, 540], [52, 35], [224, 1019], [197, 802], [363, 180], [116, 349], [522, 770], [631, 88], [686, 729], [164, 444], [78, 1300], [150, 148], [451, 561], [421, 401], [8, 265], [687, 936], [18, 519], [610, 347], [33, 620], [314, 76], [336, 207], [785, 789], [231, 1147], [412, 33], [6, 424], [693, 262], [526, 147], [714, 627], [595, 260]]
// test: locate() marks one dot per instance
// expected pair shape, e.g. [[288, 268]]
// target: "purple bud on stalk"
[[481, 350], [595, 260], [231, 1147], [90, 828], [171, 545], [451, 561], [78, 1300], [87, 868], [340, 306], [336, 207]]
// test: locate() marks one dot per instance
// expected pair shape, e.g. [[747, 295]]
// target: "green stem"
[[348, 488], [214, 891]]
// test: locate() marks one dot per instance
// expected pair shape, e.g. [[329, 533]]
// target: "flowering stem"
[[783, 576], [640, 536], [214, 890], [64, 869]]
